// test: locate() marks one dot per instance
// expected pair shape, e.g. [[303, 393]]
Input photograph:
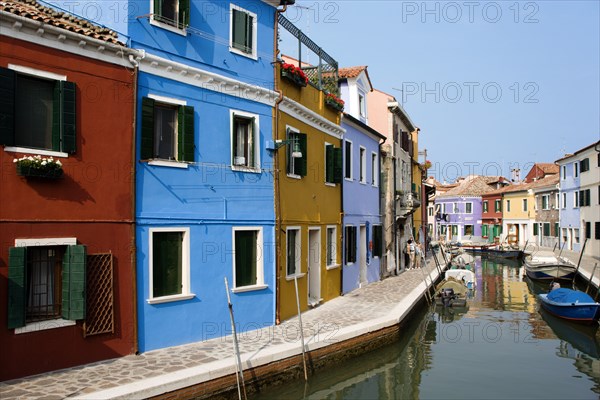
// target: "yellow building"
[[518, 214], [417, 178], [308, 193]]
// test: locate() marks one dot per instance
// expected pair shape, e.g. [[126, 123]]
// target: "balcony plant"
[[38, 167], [427, 164], [294, 74], [334, 102]]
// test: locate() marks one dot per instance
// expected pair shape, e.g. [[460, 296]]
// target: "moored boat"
[[544, 265], [504, 251], [571, 304], [467, 277], [451, 293]]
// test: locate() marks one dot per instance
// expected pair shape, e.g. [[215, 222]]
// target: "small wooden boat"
[[571, 305], [476, 247], [467, 277], [544, 265], [504, 251], [462, 261], [451, 293]]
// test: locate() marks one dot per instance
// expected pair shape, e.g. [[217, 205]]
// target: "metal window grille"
[[99, 298], [43, 283]]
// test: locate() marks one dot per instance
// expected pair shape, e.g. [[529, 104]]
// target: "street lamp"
[[277, 144]]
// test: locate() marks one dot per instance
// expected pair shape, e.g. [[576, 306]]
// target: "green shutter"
[[238, 26], [248, 42], [7, 107], [338, 166], [185, 134], [546, 229], [73, 283], [245, 258], [157, 9], [556, 229], [69, 120], [251, 136], [484, 230], [329, 163], [17, 279], [535, 229], [184, 13], [56, 116], [302, 163], [147, 133]]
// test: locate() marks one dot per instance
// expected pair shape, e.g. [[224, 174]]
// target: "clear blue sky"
[[492, 85]]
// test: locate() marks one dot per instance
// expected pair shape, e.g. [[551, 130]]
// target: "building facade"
[[66, 267], [547, 199]]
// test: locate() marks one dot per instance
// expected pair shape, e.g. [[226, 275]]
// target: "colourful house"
[[67, 287], [308, 176], [204, 187], [362, 223], [547, 199], [518, 214]]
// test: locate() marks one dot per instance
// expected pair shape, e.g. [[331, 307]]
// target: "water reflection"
[[500, 346]]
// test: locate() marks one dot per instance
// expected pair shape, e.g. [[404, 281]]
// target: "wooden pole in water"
[[591, 277], [579, 262], [239, 372], [561, 249], [427, 296], [301, 330]]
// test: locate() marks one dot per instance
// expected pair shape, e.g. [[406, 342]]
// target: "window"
[[293, 251], [245, 139], [169, 264], [556, 229], [564, 200], [362, 105], [584, 165], [331, 246], [333, 164], [468, 230], [556, 200], [454, 230], [443, 229], [348, 160], [588, 230], [564, 172], [575, 199], [535, 229], [363, 164], [173, 13], [167, 129], [377, 249], [41, 114], [45, 282], [564, 235], [484, 230], [350, 242], [584, 198], [243, 32], [575, 235], [430, 211], [546, 229], [444, 208], [498, 205], [248, 268], [455, 208], [374, 170], [576, 169], [296, 166], [469, 208], [597, 233], [485, 206], [545, 202], [524, 204], [508, 205]]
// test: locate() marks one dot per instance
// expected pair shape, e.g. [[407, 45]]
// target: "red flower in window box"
[[294, 74], [334, 102]]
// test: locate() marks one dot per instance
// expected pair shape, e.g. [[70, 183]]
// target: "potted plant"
[[334, 102], [427, 164], [38, 167], [294, 74]]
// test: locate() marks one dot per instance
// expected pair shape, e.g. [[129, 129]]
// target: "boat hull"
[[550, 272], [586, 313]]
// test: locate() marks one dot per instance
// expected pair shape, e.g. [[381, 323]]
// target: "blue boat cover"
[[563, 295]]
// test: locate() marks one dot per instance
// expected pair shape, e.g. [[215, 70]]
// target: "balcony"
[[407, 203]]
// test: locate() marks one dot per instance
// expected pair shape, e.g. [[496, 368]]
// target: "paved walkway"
[[364, 310]]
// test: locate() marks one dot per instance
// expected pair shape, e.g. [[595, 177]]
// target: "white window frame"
[[50, 323], [298, 261], [576, 237], [374, 169], [547, 197], [260, 267], [169, 163], [362, 104], [185, 266], [346, 155], [507, 208], [334, 251], [255, 140], [525, 205], [232, 49], [362, 157], [564, 200], [575, 169], [163, 25], [471, 203], [564, 172], [288, 130], [556, 200]]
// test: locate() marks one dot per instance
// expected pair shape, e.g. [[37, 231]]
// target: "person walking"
[[410, 249]]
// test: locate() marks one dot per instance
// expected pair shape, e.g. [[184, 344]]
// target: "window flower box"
[[294, 74], [334, 102], [38, 167]]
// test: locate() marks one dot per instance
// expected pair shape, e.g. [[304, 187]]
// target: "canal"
[[501, 346]]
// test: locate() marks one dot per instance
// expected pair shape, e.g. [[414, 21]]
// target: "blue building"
[[363, 233], [203, 180], [569, 211]]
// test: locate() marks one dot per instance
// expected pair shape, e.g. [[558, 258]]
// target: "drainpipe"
[[277, 199], [134, 60]]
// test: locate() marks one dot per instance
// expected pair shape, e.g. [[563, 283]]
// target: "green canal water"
[[502, 347]]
